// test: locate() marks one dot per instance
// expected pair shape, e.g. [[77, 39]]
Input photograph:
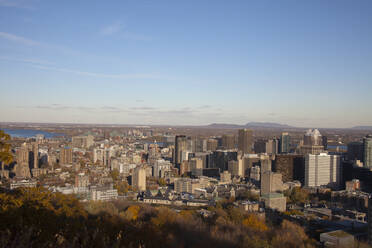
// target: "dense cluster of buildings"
[[166, 168]]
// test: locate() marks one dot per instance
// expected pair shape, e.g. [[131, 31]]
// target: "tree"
[[162, 182], [297, 195], [122, 187], [6, 156], [115, 174]]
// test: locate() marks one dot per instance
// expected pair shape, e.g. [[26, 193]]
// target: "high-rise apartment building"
[[180, 147], [322, 170], [139, 179], [272, 146], [245, 140], [228, 141], [235, 167], [212, 144], [83, 141], [196, 166], [284, 143], [367, 143], [65, 155]]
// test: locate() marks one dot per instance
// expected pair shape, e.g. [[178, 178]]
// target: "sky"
[[194, 62]]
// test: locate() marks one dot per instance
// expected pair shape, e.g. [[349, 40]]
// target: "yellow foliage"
[[132, 212], [164, 216], [253, 222]]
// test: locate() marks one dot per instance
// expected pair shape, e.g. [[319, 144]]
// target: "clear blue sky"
[[303, 63]]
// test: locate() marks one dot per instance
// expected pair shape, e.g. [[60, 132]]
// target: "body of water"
[[341, 147], [29, 133]]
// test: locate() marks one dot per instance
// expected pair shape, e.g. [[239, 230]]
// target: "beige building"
[[271, 191], [245, 140], [235, 167], [139, 179], [225, 177], [65, 155], [196, 166]]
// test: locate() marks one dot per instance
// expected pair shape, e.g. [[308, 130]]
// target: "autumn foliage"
[[39, 218]]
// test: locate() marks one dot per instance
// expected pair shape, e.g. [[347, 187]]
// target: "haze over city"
[[301, 63]]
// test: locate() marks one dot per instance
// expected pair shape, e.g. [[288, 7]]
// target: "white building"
[[160, 167], [322, 170]]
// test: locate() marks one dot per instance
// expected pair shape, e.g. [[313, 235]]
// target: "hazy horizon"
[[304, 64]]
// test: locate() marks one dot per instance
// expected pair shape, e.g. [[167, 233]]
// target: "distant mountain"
[[362, 127], [267, 125], [249, 125]]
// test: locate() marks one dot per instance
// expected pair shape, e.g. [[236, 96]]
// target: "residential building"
[[322, 170]]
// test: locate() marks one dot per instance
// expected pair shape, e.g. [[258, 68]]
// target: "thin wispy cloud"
[[21, 4], [18, 39], [112, 28], [26, 60], [132, 36], [102, 75], [119, 29]]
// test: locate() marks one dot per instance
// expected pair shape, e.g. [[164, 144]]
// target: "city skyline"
[[186, 63]]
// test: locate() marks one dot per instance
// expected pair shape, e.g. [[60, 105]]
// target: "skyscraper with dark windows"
[[245, 140], [228, 141], [284, 143], [180, 146], [367, 143], [355, 151]]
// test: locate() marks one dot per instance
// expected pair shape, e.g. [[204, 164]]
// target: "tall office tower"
[[200, 145], [235, 167], [22, 154], [22, 168], [228, 141], [35, 155], [139, 179], [367, 143], [312, 143], [220, 159], [322, 170], [291, 166], [272, 146], [355, 151], [260, 146], [180, 146], [196, 166], [284, 143], [245, 140], [65, 155], [212, 144], [190, 144]]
